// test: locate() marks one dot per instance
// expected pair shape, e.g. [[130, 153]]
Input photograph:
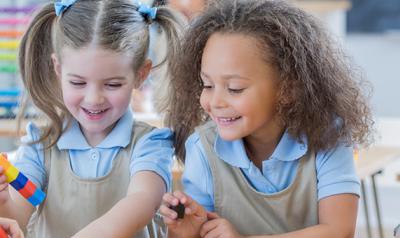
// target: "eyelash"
[[77, 83], [116, 85], [232, 91], [80, 84], [235, 90]]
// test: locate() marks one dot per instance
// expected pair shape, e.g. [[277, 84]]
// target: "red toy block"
[[28, 190], [3, 234]]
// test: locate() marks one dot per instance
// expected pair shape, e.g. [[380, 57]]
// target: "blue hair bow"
[[147, 11], [61, 5]]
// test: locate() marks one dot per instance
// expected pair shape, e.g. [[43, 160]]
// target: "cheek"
[[68, 95], [121, 98], [70, 99], [204, 101]]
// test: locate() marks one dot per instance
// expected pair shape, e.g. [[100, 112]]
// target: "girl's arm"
[[132, 213], [337, 219], [17, 207], [30, 161]]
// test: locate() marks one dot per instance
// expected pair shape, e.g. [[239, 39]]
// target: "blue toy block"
[[19, 182], [37, 197]]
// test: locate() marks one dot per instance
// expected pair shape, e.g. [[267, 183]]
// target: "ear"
[[56, 65], [144, 71]]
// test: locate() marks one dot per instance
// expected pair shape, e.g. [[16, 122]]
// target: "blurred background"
[[369, 31]]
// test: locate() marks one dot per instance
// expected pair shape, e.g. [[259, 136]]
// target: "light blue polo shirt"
[[335, 168], [153, 152]]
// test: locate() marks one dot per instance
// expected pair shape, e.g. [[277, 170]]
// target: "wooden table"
[[369, 163]]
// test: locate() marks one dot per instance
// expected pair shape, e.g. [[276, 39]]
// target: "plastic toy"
[[180, 209], [21, 183], [3, 234]]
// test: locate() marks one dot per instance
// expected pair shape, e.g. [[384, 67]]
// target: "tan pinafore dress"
[[61, 214], [255, 213]]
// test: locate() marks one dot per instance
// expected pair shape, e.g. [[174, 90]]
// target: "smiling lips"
[[226, 121], [94, 114]]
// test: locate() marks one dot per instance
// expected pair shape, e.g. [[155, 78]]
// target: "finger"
[[212, 215], [3, 178], [208, 227], [167, 212], [194, 208], [11, 227], [3, 186], [14, 230], [170, 222], [215, 233], [183, 198], [170, 199]]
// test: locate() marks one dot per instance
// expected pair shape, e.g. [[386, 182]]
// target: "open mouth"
[[227, 120], [94, 114]]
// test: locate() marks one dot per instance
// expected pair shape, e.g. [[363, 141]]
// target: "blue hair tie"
[[147, 11], [61, 5]]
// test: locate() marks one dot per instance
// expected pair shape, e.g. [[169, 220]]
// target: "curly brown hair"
[[320, 93]]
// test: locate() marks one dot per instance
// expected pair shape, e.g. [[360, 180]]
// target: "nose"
[[94, 96], [217, 99]]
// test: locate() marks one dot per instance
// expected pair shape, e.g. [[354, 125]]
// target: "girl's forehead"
[[95, 61], [235, 54], [93, 54], [236, 44]]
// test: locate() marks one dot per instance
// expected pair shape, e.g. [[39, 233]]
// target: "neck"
[[93, 139], [260, 149]]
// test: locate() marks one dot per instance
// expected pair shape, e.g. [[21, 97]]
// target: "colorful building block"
[[3, 234], [21, 183]]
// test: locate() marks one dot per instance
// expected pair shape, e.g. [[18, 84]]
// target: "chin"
[[229, 137]]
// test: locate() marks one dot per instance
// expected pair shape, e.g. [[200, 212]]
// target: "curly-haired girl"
[[285, 109]]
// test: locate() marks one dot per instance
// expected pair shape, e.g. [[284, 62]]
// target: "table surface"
[[374, 159]]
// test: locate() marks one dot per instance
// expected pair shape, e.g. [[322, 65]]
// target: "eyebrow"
[[81, 77], [226, 76]]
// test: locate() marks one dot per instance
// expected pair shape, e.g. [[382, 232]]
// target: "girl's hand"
[[195, 215], [11, 228], [218, 227], [4, 193]]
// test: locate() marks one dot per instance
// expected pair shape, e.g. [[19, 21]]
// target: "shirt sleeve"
[[154, 152], [336, 173], [30, 159], [197, 177]]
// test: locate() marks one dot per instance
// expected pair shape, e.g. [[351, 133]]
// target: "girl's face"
[[240, 87], [96, 86]]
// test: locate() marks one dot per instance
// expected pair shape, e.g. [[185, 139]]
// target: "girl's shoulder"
[[33, 132]]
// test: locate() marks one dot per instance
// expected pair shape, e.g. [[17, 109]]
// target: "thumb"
[[4, 155], [212, 215]]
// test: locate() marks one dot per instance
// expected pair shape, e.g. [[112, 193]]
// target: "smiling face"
[[96, 86], [240, 87]]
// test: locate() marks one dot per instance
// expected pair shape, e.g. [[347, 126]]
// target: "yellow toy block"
[[4, 163], [11, 174]]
